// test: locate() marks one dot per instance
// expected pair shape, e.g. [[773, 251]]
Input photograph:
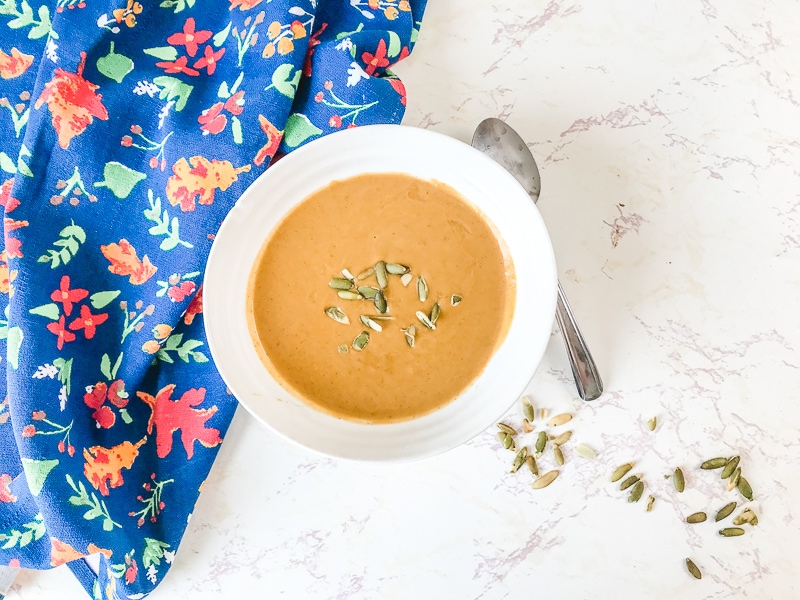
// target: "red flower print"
[[212, 120], [130, 573], [59, 328], [178, 293], [105, 417], [67, 296], [178, 66], [28, 431], [62, 446], [117, 394], [235, 104], [313, 42], [5, 491], [97, 396], [189, 38], [88, 322], [39, 415], [319, 97], [195, 307], [374, 61], [335, 121], [126, 141], [209, 60], [274, 136], [398, 87], [6, 199]]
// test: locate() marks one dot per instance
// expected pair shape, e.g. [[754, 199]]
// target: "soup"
[[380, 298]]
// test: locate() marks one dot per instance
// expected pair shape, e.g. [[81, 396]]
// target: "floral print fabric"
[[129, 128]]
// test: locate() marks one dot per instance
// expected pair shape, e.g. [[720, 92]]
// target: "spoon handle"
[[587, 377]]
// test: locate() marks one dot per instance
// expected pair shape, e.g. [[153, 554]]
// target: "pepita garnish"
[[519, 459], [506, 440], [406, 279], [693, 569], [526, 426], [343, 349], [455, 300], [636, 492], [714, 463], [527, 408], [541, 442], [543, 414], [368, 291], [651, 424], [507, 429], [410, 334], [558, 456], [361, 341], [744, 488], [365, 273], [747, 516], [422, 288], [729, 468], [650, 501], [697, 517], [436, 310], [620, 472], [349, 295], [374, 325], [337, 314], [563, 438], [396, 269], [381, 275], [678, 480], [559, 420], [733, 481], [348, 275], [629, 482], [380, 302], [545, 480], [725, 511], [423, 318], [731, 532], [340, 283], [534, 468], [585, 451]]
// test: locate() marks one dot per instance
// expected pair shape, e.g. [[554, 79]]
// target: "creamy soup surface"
[[353, 224]]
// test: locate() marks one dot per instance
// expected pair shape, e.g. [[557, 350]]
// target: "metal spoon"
[[499, 141]]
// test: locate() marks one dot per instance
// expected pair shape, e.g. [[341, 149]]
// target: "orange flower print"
[[274, 136], [88, 322], [59, 328], [195, 307], [15, 64], [200, 180], [67, 296], [244, 4], [128, 14], [124, 261], [189, 37]]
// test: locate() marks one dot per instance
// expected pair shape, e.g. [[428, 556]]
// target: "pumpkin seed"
[[693, 569], [733, 481], [348, 275], [348, 295], [678, 480], [714, 463], [410, 334], [729, 468], [340, 283], [526, 426], [380, 303], [381, 275], [370, 323], [527, 408], [545, 480], [541, 442], [725, 511], [381, 317], [629, 482], [651, 424], [507, 429], [455, 300], [336, 313], [584, 451], [543, 414], [620, 472], [436, 310], [559, 420], [731, 532], [343, 349], [368, 291], [396, 269], [504, 438], [508, 442], [519, 460], [406, 279], [422, 288], [423, 318], [558, 455], [747, 516], [365, 273], [650, 501], [361, 341], [534, 468], [697, 517], [562, 438], [636, 492], [744, 488]]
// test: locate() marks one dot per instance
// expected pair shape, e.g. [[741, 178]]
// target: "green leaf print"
[[71, 237], [178, 5], [102, 299], [114, 66], [106, 369], [298, 129], [36, 471], [13, 345], [185, 352], [172, 87], [33, 532], [64, 371], [7, 164], [394, 45], [22, 166], [51, 311], [97, 508], [236, 130], [283, 80], [119, 179], [163, 224], [162, 52], [24, 17], [219, 38], [153, 552]]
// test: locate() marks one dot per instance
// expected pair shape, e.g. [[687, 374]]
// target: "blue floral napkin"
[[128, 129]]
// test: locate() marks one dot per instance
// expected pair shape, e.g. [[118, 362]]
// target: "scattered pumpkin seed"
[[505, 439], [423, 318], [585, 451], [541, 442], [629, 482], [348, 295], [348, 275], [361, 341], [543, 414], [365, 273], [368, 291], [406, 279], [381, 317], [725, 511], [729, 468], [534, 468], [396, 269], [693, 569], [374, 325], [620, 472], [410, 334], [545, 480], [455, 300], [381, 275], [526, 426], [436, 310], [340, 283], [519, 459], [380, 302], [422, 288], [733, 481], [558, 455], [744, 488], [731, 532], [344, 349], [714, 463], [697, 517], [650, 501], [527, 408], [562, 438], [336, 313], [651, 424], [678, 480], [636, 492], [507, 429], [747, 516], [559, 420]]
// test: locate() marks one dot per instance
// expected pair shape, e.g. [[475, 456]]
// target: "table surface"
[[668, 138]]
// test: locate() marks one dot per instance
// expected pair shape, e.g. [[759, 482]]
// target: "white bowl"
[[380, 149]]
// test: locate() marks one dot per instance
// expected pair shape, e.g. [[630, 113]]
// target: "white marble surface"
[[668, 136]]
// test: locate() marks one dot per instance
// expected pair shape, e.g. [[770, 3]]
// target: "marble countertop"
[[668, 138]]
